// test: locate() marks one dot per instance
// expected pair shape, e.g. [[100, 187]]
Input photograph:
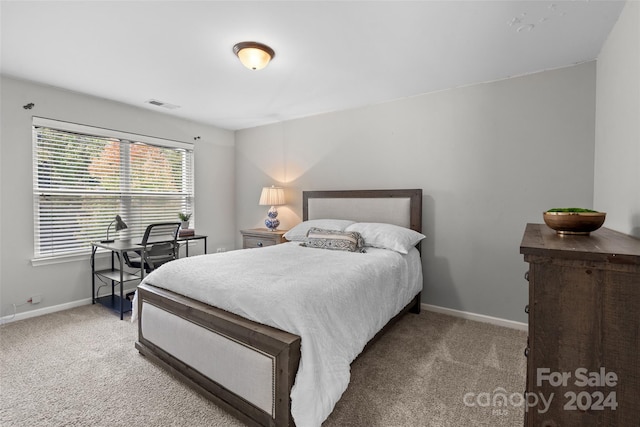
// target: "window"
[[84, 176]]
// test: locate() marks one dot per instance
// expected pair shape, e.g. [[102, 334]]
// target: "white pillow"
[[387, 236], [299, 232]]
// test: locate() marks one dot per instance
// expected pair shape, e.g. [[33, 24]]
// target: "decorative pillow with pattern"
[[335, 240]]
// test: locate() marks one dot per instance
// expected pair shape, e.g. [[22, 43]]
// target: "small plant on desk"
[[184, 217]]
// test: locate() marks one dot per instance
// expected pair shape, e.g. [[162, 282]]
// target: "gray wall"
[[617, 149], [69, 283], [489, 158]]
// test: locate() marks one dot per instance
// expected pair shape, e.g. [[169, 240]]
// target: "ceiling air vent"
[[162, 104]]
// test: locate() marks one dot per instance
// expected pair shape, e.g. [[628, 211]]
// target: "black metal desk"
[[116, 275], [186, 239]]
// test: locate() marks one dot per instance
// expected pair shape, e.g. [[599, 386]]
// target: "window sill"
[[61, 259]]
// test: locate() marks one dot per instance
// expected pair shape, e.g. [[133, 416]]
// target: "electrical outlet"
[[36, 299], [219, 250]]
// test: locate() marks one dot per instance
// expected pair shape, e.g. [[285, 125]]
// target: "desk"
[[113, 301], [118, 275], [186, 239]]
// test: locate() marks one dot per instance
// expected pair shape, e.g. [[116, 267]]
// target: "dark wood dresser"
[[584, 328]]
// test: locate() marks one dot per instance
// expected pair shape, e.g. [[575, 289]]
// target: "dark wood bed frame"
[[284, 347]]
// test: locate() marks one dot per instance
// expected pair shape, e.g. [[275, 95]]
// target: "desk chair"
[[160, 246]]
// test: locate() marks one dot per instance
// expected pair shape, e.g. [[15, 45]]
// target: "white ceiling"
[[330, 55]]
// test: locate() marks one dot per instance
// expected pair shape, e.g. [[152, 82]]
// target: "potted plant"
[[184, 217], [573, 220]]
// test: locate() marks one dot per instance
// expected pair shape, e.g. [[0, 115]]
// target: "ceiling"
[[330, 55]]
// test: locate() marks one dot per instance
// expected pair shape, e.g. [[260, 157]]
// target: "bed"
[[260, 368]]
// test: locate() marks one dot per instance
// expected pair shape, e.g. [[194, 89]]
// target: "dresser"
[[583, 350], [261, 237]]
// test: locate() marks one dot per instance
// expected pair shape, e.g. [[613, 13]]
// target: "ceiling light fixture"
[[253, 55]]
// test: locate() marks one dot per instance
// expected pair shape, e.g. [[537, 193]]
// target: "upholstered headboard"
[[399, 207]]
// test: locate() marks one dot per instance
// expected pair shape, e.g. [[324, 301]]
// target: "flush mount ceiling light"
[[253, 55]]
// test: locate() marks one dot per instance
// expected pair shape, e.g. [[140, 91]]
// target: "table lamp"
[[120, 225], [272, 196]]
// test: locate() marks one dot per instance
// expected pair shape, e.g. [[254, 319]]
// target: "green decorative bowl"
[[570, 221]]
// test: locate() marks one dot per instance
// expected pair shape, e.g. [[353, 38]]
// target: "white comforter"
[[335, 301]]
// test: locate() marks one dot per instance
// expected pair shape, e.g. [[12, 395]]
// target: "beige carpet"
[[79, 368]]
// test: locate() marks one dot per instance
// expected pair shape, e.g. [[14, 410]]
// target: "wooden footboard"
[[278, 353], [280, 347]]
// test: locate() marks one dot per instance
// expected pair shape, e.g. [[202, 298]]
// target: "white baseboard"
[[43, 311], [51, 309], [436, 309], [476, 317]]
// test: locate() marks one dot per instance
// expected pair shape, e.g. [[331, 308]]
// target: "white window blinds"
[[83, 177]]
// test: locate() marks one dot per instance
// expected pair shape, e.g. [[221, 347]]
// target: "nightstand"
[[261, 237]]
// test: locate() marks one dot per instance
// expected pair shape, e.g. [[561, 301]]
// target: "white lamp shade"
[[272, 196]]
